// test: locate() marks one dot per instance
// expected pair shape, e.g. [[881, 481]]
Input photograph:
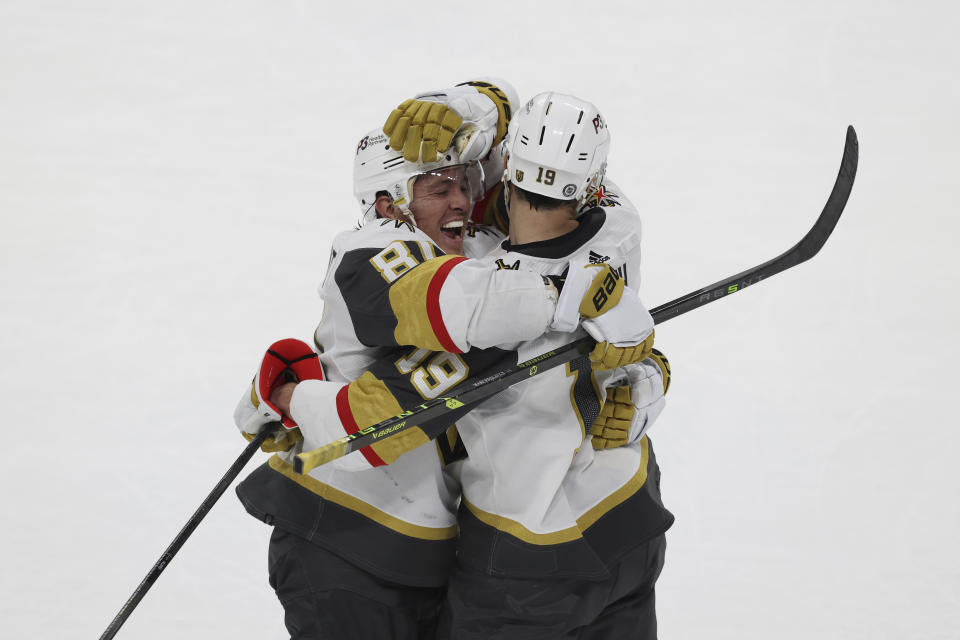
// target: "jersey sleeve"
[[401, 381], [407, 292]]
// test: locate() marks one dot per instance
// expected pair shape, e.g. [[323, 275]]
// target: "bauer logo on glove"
[[604, 291], [589, 290]]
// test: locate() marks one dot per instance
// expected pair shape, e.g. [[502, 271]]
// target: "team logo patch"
[[501, 265], [603, 198], [569, 190], [519, 175]]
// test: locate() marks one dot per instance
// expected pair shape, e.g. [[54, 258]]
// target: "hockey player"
[[387, 532], [550, 548], [557, 539]]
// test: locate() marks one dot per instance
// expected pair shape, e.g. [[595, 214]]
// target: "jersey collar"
[[562, 246]]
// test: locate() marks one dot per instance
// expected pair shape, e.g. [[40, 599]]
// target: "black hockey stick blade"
[[474, 391], [808, 246], [188, 529]]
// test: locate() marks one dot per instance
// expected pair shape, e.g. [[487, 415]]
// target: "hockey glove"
[[422, 129], [287, 360], [632, 406], [586, 291], [473, 117], [595, 295], [612, 427], [661, 360], [624, 334], [623, 337]]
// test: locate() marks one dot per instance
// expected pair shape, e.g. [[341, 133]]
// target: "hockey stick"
[[472, 391], [188, 528]]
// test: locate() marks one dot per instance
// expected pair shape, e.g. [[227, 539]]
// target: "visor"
[[467, 177]]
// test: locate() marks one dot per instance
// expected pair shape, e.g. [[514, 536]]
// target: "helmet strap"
[[506, 190]]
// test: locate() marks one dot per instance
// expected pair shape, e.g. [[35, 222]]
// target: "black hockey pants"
[[324, 596], [480, 606]]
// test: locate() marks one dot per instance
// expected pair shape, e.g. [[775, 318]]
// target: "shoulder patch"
[[501, 265], [602, 197], [398, 224]]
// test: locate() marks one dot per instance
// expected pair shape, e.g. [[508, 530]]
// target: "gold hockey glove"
[[588, 291], [472, 116], [631, 407], [608, 355], [422, 129], [612, 427], [611, 312]]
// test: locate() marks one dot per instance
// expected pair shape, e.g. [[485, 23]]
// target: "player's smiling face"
[[440, 204]]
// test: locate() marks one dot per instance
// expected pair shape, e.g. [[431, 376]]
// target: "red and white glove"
[[288, 360]]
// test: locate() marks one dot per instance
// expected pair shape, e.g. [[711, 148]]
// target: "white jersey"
[[531, 472]]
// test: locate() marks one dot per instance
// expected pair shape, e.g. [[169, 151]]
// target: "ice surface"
[[171, 175]]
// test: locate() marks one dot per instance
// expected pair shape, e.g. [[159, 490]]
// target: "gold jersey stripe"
[[336, 496], [372, 402], [569, 534], [517, 530], [410, 306], [632, 485]]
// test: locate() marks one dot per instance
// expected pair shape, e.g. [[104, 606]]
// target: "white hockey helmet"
[[557, 147], [379, 168]]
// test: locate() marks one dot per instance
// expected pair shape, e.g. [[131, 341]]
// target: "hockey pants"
[[480, 606], [326, 597]]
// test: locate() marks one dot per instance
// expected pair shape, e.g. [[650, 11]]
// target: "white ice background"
[[172, 173]]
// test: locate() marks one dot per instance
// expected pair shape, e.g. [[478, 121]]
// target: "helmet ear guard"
[[557, 147]]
